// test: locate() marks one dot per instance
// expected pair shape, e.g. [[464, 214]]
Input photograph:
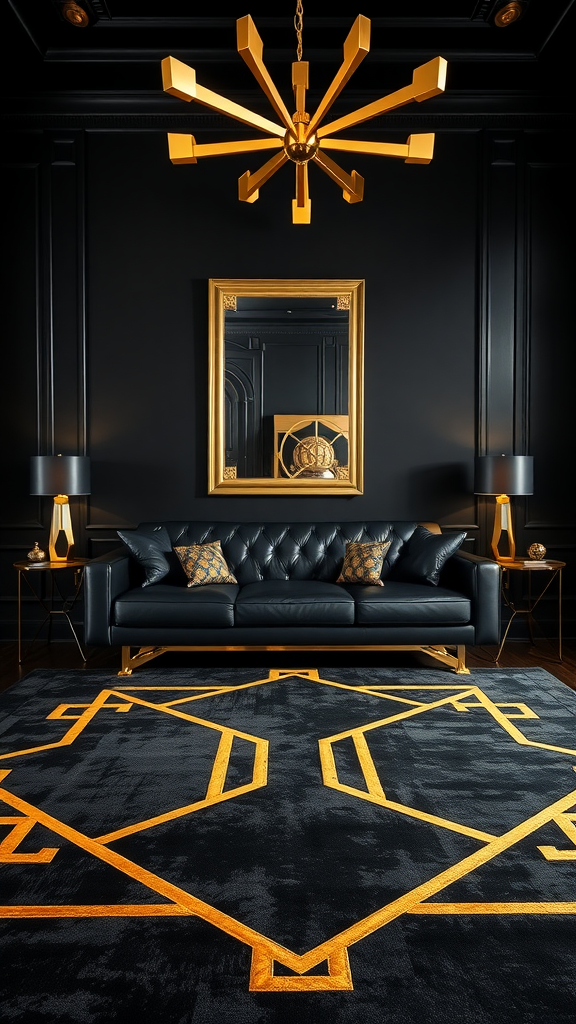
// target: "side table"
[[549, 570], [27, 570]]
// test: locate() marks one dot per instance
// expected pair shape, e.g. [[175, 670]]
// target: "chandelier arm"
[[356, 47], [352, 185], [249, 184], [301, 205], [419, 149], [184, 150], [372, 148], [180, 80], [250, 48], [428, 80], [301, 184]]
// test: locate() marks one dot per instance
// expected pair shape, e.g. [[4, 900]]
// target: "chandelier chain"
[[298, 27]]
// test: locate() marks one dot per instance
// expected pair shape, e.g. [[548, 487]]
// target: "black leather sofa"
[[286, 595]]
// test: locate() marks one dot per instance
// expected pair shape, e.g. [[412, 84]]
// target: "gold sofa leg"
[[457, 661], [132, 661]]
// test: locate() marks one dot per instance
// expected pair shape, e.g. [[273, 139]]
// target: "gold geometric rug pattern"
[[349, 763]]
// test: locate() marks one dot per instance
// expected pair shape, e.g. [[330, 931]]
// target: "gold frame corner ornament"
[[220, 480]]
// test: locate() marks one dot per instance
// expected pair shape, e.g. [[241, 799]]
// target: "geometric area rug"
[[276, 846]]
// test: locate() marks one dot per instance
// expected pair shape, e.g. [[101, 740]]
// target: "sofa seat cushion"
[[294, 603], [165, 605], [409, 604]]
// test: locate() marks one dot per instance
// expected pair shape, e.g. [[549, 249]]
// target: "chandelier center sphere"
[[300, 151]]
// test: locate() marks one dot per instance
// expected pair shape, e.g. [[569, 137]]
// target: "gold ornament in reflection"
[[314, 457], [299, 137]]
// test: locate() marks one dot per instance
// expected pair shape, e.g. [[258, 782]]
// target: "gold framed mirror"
[[286, 387]]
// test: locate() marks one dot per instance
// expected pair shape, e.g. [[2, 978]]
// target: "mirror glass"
[[285, 402]]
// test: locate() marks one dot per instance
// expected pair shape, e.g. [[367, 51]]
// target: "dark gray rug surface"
[[275, 847]]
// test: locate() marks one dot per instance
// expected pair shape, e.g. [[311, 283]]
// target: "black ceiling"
[[119, 51]]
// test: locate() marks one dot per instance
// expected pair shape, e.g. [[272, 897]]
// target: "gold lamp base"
[[61, 524], [503, 524]]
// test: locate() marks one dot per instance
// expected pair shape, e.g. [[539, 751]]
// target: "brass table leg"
[[19, 617], [48, 606], [528, 612]]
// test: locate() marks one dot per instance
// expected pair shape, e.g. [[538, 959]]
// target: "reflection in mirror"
[[314, 448], [285, 394]]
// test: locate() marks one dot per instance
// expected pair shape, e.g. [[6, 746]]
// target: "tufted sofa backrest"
[[287, 551]]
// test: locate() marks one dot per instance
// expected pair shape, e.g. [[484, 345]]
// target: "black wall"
[[469, 338]]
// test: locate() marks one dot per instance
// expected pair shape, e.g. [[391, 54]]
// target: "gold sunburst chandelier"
[[299, 137]]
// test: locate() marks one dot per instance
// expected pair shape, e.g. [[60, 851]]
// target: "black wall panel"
[[21, 350], [551, 365]]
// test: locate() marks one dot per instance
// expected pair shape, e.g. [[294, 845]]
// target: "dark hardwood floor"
[[64, 654]]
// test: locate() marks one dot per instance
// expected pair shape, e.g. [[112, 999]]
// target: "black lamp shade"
[[503, 474], [60, 474]]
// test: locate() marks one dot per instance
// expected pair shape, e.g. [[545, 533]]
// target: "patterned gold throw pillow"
[[204, 563], [363, 562]]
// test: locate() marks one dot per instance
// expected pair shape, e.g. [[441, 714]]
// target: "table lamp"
[[503, 475], [60, 476]]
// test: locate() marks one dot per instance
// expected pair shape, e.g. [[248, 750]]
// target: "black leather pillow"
[[151, 551], [422, 557]]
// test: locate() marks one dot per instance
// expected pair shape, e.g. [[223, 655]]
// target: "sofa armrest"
[[479, 579], [104, 579]]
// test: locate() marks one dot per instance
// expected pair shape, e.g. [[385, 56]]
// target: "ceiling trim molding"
[[142, 121]]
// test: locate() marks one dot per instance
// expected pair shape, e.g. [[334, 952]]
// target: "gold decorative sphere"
[[314, 456], [537, 552], [36, 554], [300, 152]]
